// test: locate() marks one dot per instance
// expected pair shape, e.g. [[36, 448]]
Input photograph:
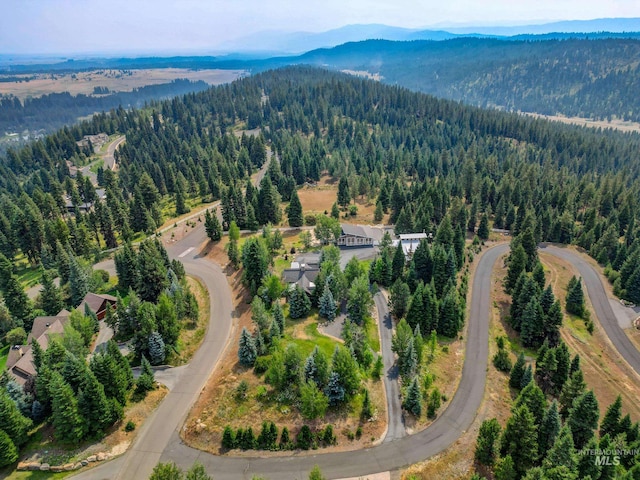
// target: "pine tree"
[[575, 299], [398, 263], [327, 305], [255, 262], [146, 380], [334, 390], [413, 402], [181, 206], [18, 303], [572, 389], [228, 438], [486, 451], [519, 439], [247, 351], [378, 214], [611, 422], [126, 267], [359, 300], [278, 316], [562, 453], [549, 428], [527, 377], [483, 229], [451, 315], [78, 281], [157, 348], [533, 397], [583, 418], [69, 425], [152, 271], [12, 421], [50, 295], [335, 211], [295, 211], [93, 405], [532, 324], [505, 469], [299, 303], [8, 450], [344, 197], [367, 408], [212, 225], [517, 265], [399, 298]]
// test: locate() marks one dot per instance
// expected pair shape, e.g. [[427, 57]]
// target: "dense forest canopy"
[[564, 183]]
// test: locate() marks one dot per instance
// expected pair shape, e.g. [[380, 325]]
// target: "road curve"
[[395, 417], [600, 302]]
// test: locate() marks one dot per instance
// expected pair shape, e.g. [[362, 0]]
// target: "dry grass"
[[114, 80], [218, 405], [320, 198], [604, 370], [615, 124]]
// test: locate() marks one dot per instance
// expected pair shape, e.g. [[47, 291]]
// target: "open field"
[[586, 122], [114, 80]]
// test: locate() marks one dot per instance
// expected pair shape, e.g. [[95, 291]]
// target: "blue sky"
[[119, 26]]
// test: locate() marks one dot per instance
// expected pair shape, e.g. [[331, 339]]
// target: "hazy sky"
[[104, 26]]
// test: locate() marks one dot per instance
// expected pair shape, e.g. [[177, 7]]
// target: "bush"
[[262, 364], [130, 426], [241, 390], [310, 220], [359, 432], [304, 438], [353, 210]]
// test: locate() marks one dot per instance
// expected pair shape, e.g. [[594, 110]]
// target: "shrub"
[[130, 426], [262, 364], [310, 220], [304, 438]]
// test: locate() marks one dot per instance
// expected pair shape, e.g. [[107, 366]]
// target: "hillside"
[[576, 77]]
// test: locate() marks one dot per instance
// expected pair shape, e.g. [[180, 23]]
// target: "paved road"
[[395, 418], [159, 439], [159, 430], [109, 159], [600, 302]]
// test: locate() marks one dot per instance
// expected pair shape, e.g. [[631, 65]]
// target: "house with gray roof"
[[359, 235]]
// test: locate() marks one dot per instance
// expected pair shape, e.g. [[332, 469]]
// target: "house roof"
[[412, 236], [362, 231], [95, 301], [305, 278], [23, 366], [308, 259]]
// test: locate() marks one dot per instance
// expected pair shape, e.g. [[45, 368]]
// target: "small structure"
[[20, 359], [101, 195], [409, 243], [303, 272], [359, 236], [98, 304]]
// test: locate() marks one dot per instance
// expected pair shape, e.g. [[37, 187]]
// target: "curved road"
[[159, 439], [600, 302]]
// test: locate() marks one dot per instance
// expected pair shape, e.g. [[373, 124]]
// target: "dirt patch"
[[114, 80]]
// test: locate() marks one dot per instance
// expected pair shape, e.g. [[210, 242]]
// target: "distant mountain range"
[[277, 42]]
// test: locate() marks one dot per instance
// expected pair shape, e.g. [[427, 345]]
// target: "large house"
[[303, 272], [20, 359], [359, 236]]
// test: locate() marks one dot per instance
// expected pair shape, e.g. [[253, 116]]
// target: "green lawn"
[[4, 353], [33, 475]]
